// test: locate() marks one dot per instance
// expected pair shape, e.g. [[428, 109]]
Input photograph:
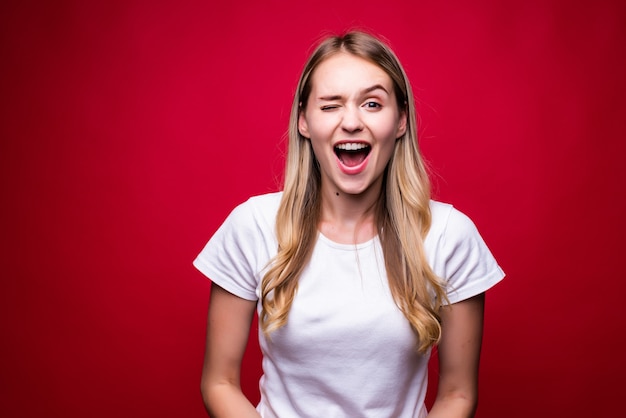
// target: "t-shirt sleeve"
[[469, 266], [229, 259]]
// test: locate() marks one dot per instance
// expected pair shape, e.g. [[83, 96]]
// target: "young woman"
[[354, 272]]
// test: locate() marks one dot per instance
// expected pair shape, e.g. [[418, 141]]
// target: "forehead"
[[346, 73]]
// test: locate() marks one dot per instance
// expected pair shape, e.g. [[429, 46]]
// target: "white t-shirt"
[[346, 350]]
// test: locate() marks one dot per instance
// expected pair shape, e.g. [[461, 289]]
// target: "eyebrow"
[[375, 87], [364, 91]]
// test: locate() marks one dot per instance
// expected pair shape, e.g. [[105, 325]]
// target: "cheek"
[[312, 123], [319, 127], [387, 135], [319, 147], [388, 148], [387, 130]]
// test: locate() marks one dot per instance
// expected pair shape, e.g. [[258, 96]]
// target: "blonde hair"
[[402, 216]]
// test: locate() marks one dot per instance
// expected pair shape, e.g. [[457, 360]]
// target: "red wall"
[[129, 130]]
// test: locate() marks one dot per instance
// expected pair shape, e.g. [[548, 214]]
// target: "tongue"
[[352, 158]]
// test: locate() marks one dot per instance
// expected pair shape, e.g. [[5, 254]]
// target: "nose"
[[351, 121]]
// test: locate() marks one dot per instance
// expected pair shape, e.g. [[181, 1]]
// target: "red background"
[[129, 130]]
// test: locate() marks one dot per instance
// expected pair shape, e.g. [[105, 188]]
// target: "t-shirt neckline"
[[348, 247]]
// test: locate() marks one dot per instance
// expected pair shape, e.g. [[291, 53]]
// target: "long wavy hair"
[[402, 214]]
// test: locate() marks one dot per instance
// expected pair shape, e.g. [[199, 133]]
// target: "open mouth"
[[351, 154]]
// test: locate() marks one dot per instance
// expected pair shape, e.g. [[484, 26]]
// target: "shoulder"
[[251, 221], [458, 254], [239, 250], [449, 221], [259, 210], [263, 202]]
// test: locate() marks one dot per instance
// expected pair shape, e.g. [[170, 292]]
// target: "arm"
[[459, 355], [228, 327]]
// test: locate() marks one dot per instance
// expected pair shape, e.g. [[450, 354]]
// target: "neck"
[[349, 219]]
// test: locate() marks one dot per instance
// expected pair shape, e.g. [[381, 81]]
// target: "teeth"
[[352, 146]]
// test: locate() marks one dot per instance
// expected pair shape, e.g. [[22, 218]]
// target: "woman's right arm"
[[228, 327]]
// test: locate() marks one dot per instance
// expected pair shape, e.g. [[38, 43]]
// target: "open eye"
[[372, 105]]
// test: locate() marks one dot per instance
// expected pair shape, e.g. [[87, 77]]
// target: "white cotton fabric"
[[347, 350]]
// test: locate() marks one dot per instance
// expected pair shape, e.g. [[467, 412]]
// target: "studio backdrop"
[[130, 129]]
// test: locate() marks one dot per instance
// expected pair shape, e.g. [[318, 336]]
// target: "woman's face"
[[352, 120]]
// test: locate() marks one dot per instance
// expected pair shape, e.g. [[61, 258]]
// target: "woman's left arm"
[[459, 355]]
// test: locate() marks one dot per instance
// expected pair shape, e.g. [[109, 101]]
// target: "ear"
[[303, 126], [402, 124]]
